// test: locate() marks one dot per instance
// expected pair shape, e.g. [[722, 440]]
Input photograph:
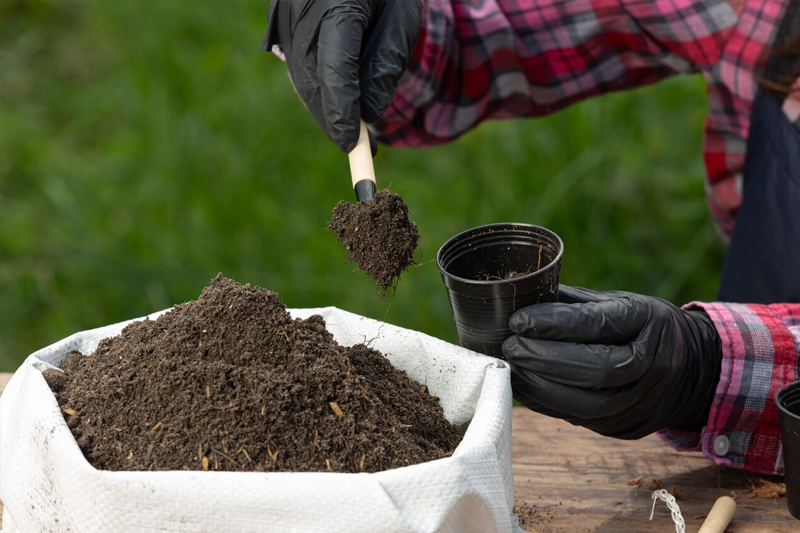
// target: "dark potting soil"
[[231, 382], [509, 275], [378, 236], [505, 275]]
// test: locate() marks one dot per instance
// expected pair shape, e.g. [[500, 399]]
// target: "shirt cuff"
[[759, 356]]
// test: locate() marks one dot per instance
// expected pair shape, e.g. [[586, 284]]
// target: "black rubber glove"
[[345, 57], [621, 364]]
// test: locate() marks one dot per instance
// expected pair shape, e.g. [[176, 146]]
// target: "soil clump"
[[231, 382], [378, 236]]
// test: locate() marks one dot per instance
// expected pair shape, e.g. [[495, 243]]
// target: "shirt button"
[[721, 445]]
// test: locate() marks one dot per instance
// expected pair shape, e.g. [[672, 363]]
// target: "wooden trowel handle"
[[361, 169], [720, 516]]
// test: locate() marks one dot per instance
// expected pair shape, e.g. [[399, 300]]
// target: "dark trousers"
[[763, 261]]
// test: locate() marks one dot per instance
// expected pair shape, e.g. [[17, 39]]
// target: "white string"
[[669, 499]]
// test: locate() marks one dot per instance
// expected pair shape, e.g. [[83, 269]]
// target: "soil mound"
[[378, 236], [231, 382]]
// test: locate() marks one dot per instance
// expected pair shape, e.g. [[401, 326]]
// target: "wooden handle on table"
[[361, 167], [720, 516]]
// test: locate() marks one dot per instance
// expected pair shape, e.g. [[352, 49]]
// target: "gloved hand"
[[621, 364], [345, 57]]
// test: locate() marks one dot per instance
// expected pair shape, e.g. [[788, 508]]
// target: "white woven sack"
[[47, 485]]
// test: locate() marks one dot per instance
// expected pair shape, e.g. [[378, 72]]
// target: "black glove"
[[618, 363], [345, 57]]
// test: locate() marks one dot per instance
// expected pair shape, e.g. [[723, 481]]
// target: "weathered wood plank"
[[574, 480], [4, 377]]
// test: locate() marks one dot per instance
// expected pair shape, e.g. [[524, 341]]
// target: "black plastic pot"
[[478, 267], [788, 401]]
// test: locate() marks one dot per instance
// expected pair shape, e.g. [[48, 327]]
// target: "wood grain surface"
[[568, 479], [3, 381]]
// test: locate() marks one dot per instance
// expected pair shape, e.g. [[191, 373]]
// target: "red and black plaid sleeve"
[[497, 59], [760, 347]]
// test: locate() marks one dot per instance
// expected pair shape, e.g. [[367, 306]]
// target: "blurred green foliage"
[[147, 146]]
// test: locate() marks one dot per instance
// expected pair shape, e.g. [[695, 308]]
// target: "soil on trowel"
[[378, 236], [231, 382]]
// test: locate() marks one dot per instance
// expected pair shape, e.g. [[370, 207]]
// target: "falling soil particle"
[[377, 235], [231, 382]]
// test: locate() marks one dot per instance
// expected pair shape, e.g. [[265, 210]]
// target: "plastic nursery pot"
[[493, 270], [788, 401]]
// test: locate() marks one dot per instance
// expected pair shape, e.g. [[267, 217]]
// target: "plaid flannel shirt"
[[477, 60], [760, 346]]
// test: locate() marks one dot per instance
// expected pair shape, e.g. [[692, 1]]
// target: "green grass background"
[[147, 146]]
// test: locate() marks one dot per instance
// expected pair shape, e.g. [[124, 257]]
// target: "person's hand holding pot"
[[345, 57], [621, 364]]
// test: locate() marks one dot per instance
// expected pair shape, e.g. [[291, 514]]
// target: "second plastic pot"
[[493, 270], [788, 401]]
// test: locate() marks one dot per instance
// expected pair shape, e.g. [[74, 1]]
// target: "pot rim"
[[548, 266], [786, 389]]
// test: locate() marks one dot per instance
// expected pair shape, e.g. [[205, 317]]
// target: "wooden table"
[[3, 380], [571, 480]]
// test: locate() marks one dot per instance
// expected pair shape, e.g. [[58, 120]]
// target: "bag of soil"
[[47, 484]]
